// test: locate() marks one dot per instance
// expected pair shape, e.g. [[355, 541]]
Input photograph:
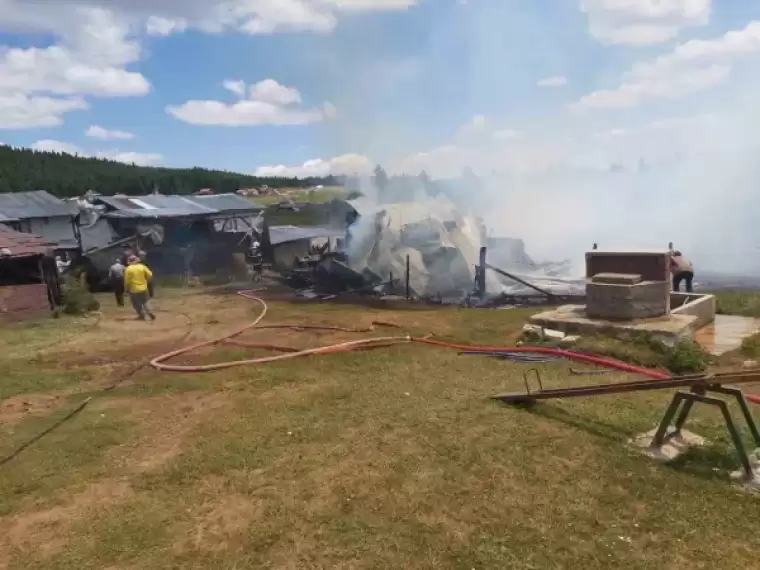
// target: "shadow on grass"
[[591, 426], [712, 462]]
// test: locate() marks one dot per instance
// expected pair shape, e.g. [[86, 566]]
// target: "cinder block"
[[627, 302]]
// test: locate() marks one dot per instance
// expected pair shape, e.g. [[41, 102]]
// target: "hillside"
[[65, 175]]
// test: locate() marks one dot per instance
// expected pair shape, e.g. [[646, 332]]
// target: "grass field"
[[386, 459]]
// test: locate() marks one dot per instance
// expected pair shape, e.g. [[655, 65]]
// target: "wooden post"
[[406, 279], [480, 274]]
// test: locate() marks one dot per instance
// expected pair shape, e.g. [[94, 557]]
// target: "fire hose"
[[160, 362]]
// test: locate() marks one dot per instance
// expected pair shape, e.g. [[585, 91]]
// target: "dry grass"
[[384, 459]]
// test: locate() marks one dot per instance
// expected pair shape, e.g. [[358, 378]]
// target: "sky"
[[601, 117]]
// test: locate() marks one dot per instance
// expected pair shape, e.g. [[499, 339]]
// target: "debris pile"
[[441, 244]]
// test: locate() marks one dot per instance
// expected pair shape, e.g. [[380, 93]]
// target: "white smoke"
[[666, 153]]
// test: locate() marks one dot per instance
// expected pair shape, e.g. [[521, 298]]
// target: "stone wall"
[[19, 302], [626, 302]]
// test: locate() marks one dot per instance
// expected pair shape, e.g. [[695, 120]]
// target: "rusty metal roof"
[[23, 245]]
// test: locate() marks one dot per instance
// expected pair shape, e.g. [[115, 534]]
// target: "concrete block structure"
[[627, 285]]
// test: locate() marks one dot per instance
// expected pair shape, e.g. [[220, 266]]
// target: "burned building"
[[29, 282], [181, 235]]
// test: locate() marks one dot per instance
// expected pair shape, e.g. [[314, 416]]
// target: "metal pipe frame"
[[683, 403]]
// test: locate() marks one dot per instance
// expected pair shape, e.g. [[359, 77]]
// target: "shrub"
[[77, 300], [686, 357]]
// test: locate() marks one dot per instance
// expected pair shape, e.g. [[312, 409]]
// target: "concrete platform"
[[572, 319], [726, 333], [674, 445]]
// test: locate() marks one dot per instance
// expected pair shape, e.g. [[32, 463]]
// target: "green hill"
[[65, 175]]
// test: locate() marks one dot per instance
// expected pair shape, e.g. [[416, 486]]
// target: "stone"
[[553, 335], [617, 278], [571, 339], [674, 446]]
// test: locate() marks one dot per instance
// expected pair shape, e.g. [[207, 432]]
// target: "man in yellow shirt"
[[136, 282]]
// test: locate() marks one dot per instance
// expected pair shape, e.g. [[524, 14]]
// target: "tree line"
[[66, 175]]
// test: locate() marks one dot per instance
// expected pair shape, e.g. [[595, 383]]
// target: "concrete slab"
[[726, 333], [572, 319], [674, 446], [617, 278]]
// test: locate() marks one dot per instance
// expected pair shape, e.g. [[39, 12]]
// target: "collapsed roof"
[[442, 245]]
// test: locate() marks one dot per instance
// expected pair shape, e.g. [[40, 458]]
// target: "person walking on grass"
[[137, 278], [116, 279]]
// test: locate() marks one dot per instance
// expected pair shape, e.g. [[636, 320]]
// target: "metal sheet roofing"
[[23, 245], [160, 206], [286, 234], [36, 204]]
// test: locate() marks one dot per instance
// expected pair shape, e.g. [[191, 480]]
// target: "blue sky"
[[434, 84]]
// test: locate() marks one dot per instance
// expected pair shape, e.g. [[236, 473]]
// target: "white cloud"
[[690, 67], [269, 91], [39, 85], [20, 111], [158, 26], [164, 17], [269, 104], [138, 158], [235, 86], [97, 132], [348, 164], [96, 42], [555, 81], [643, 22]]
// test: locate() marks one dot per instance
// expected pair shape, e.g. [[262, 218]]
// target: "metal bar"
[[706, 382], [662, 430], [688, 399], [735, 435], [746, 411], [515, 278], [683, 415]]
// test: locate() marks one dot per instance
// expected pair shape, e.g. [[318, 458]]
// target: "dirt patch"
[[220, 524], [166, 422], [42, 534], [18, 408]]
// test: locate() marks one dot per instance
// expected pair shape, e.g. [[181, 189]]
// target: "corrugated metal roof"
[[36, 204], [23, 245], [160, 206], [228, 203], [286, 234]]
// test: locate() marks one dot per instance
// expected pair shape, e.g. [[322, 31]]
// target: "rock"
[[532, 332], [749, 364], [571, 339], [553, 335]]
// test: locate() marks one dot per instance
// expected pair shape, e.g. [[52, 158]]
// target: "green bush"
[[77, 300], [686, 357]]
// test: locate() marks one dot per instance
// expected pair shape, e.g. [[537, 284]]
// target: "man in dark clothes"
[[116, 279], [682, 270]]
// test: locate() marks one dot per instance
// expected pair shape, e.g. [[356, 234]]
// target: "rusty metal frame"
[[683, 403]]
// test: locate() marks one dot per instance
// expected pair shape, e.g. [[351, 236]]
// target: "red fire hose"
[[376, 342]]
